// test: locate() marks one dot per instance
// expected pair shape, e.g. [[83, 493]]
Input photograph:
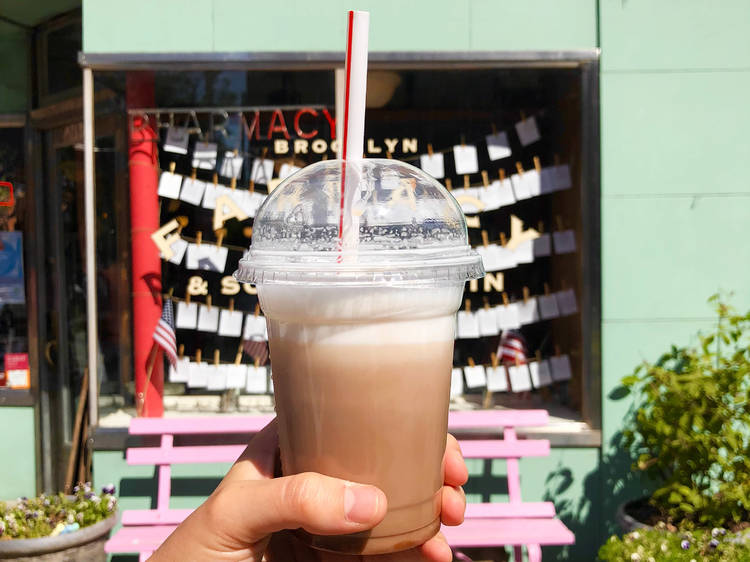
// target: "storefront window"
[[509, 142], [14, 345]]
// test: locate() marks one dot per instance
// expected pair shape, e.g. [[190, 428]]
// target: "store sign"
[[303, 131]]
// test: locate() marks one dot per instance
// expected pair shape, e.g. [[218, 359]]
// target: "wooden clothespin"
[[256, 362], [463, 140], [501, 174], [470, 360], [172, 167], [537, 164], [182, 221], [557, 350], [494, 129], [216, 178], [448, 184], [233, 184], [325, 157], [494, 360], [485, 239], [546, 289], [251, 186], [198, 355], [187, 297], [170, 292], [217, 357], [559, 222], [467, 184], [486, 303], [263, 152], [238, 357], [208, 302], [518, 361], [519, 168], [194, 174], [388, 155], [506, 302], [467, 305], [485, 179], [429, 149], [220, 234], [538, 355], [199, 237], [526, 295], [257, 309], [231, 305], [181, 351], [540, 227], [523, 115], [503, 239]]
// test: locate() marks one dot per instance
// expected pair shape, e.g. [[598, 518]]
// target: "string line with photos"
[[475, 198]]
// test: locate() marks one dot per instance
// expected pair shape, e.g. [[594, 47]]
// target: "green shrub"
[[660, 545], [38, 517], [692, 431]]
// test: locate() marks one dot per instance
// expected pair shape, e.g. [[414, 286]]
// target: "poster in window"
[[11, 268]]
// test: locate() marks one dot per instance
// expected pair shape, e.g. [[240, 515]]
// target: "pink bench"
[[513, 523]]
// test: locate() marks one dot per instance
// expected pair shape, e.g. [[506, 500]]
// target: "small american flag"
[[164, 334], [257, 349], [512, 348]]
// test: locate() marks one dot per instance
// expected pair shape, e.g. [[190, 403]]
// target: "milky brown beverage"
[[362, 382], [360, 266]]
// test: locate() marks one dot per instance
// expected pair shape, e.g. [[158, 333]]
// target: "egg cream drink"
[[362, 345]]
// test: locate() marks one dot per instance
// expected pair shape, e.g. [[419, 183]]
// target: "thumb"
[[320, 504]]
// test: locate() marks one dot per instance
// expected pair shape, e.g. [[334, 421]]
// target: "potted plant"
[[690, 436], [58, 527]]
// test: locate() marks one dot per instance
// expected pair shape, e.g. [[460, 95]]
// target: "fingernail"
[[360, 503]]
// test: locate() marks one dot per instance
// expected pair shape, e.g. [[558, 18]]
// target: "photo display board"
[[506, 142]]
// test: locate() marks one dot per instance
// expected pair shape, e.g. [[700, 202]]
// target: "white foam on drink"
[[361, 316]]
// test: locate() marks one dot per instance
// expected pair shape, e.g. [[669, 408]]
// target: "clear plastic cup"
[[361, 328]]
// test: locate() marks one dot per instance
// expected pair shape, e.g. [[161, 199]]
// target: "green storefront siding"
[[675, 195], [18, 451]]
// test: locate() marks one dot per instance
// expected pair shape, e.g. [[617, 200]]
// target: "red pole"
[[144, 220]]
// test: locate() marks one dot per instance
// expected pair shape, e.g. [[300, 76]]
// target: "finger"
[[437, 550], [454, 505], [251, 510], [456, 473], [257, 460]]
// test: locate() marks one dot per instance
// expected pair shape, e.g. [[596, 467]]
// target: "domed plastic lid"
[[396, 225]]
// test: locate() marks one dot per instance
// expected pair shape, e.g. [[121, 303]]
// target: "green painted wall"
[[675, 195], [18, 453], [14, 83], [300, 25]]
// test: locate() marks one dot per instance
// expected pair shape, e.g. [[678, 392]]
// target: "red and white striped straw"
[[354, 119]]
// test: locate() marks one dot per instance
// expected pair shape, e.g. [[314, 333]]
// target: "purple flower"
[[109, 489], [2, 528], [88, 495], [46, 502], [685, 544], [714, 543], [76, 489]]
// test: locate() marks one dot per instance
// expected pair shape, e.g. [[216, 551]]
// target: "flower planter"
[[627, 522], [84, 544]]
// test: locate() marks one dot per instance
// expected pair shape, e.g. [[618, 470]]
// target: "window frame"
[[584, 433]]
